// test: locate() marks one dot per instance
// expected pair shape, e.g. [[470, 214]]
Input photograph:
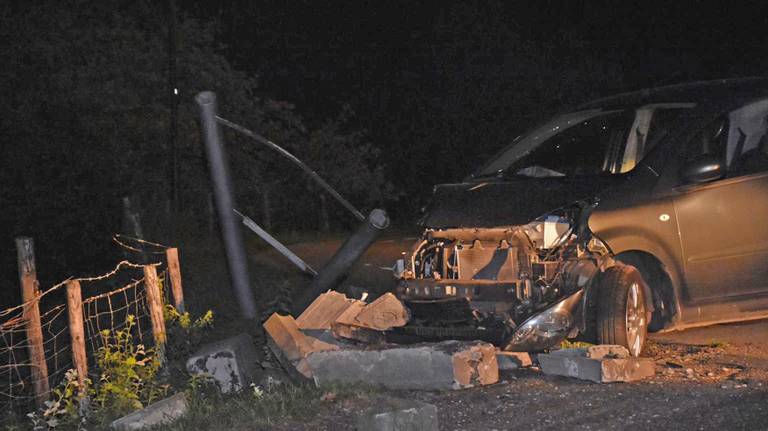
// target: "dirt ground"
[[706, 378]]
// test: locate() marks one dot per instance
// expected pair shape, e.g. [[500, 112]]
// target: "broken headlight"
[[547, 328]]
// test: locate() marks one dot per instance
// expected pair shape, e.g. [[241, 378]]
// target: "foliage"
[[128, 372], [86, 120], [184, 333], [345, 156], [65, 407]]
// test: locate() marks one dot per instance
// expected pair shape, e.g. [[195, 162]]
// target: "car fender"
[[621, 232]]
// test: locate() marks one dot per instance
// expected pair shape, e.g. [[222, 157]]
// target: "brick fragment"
[[476, 365], [513, 360], [290, 345], [324, 310]]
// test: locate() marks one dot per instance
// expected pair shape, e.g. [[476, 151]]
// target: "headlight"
[[547, 328]]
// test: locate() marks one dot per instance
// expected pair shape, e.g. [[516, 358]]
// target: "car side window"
[[747, 151], [710, 141]]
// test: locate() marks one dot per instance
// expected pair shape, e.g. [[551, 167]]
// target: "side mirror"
[[702, 170]]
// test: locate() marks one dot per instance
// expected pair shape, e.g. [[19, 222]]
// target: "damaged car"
[[639, 212]]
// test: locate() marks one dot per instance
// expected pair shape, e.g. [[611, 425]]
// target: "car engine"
[[487, 282]]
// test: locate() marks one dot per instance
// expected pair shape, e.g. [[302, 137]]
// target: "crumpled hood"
[[508, 202]]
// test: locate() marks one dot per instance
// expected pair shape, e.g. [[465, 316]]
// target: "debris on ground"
[[398, 415], [291, 346], [231, 363], [325, 310], [352, 319], [513, 360], [358, 352], [600, 364], [165, 410]]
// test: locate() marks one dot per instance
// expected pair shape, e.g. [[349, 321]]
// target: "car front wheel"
[[621, 312]]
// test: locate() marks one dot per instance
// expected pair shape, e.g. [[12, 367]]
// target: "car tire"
[[621, 311]]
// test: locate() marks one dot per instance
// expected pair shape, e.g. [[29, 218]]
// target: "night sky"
[[316, 54]]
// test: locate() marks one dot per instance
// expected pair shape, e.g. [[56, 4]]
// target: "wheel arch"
[[659, 287], [639, 234]]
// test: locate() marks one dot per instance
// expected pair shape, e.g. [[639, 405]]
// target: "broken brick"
[[358, 333], [513, 360], [385, 313], [290, 345], [324, 310], [348, 316], [476, 365], [366, 322]]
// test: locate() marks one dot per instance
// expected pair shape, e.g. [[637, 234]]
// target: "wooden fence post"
[[174, 272], [25, 250], [155, 304], [77, 331]]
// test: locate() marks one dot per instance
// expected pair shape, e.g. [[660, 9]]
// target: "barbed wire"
[[103, 311], [58, 286], [116, 239]]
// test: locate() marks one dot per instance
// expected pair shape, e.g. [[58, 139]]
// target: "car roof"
[[721, 92]]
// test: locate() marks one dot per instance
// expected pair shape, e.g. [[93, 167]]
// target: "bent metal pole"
[[341, 262], [296, 161], [222, 190]]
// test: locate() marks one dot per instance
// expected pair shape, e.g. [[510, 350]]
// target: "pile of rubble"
[[338, 339], [343, 340]]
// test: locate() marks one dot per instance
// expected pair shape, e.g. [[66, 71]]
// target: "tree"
[[85, 122]]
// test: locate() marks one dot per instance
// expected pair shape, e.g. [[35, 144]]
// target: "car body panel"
[[724, 237], [505, 202]]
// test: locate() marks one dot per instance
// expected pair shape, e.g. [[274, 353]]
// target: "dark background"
[[383, 98]]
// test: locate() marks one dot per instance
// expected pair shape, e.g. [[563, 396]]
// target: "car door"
[[723, 223]]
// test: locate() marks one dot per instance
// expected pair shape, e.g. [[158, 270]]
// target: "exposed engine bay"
[[521, 287]]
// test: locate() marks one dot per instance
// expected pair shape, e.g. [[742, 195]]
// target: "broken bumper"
[[451, 301]]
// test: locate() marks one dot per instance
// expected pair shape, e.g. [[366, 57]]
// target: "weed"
[[568, 344], [128, 372], [66, 407], [184, 333]]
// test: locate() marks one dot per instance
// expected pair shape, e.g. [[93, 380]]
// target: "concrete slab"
[[398, 415], [446, 365], [232, 363], [163, 411], [599, 351], [606, 370]]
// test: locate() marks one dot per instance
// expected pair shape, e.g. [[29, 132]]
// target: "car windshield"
[[588, 142]]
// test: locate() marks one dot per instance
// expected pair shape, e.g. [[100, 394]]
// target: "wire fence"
[[105, 304]]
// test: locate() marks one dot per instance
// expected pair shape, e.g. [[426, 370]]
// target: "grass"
[[279, 406], [568, 344]]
